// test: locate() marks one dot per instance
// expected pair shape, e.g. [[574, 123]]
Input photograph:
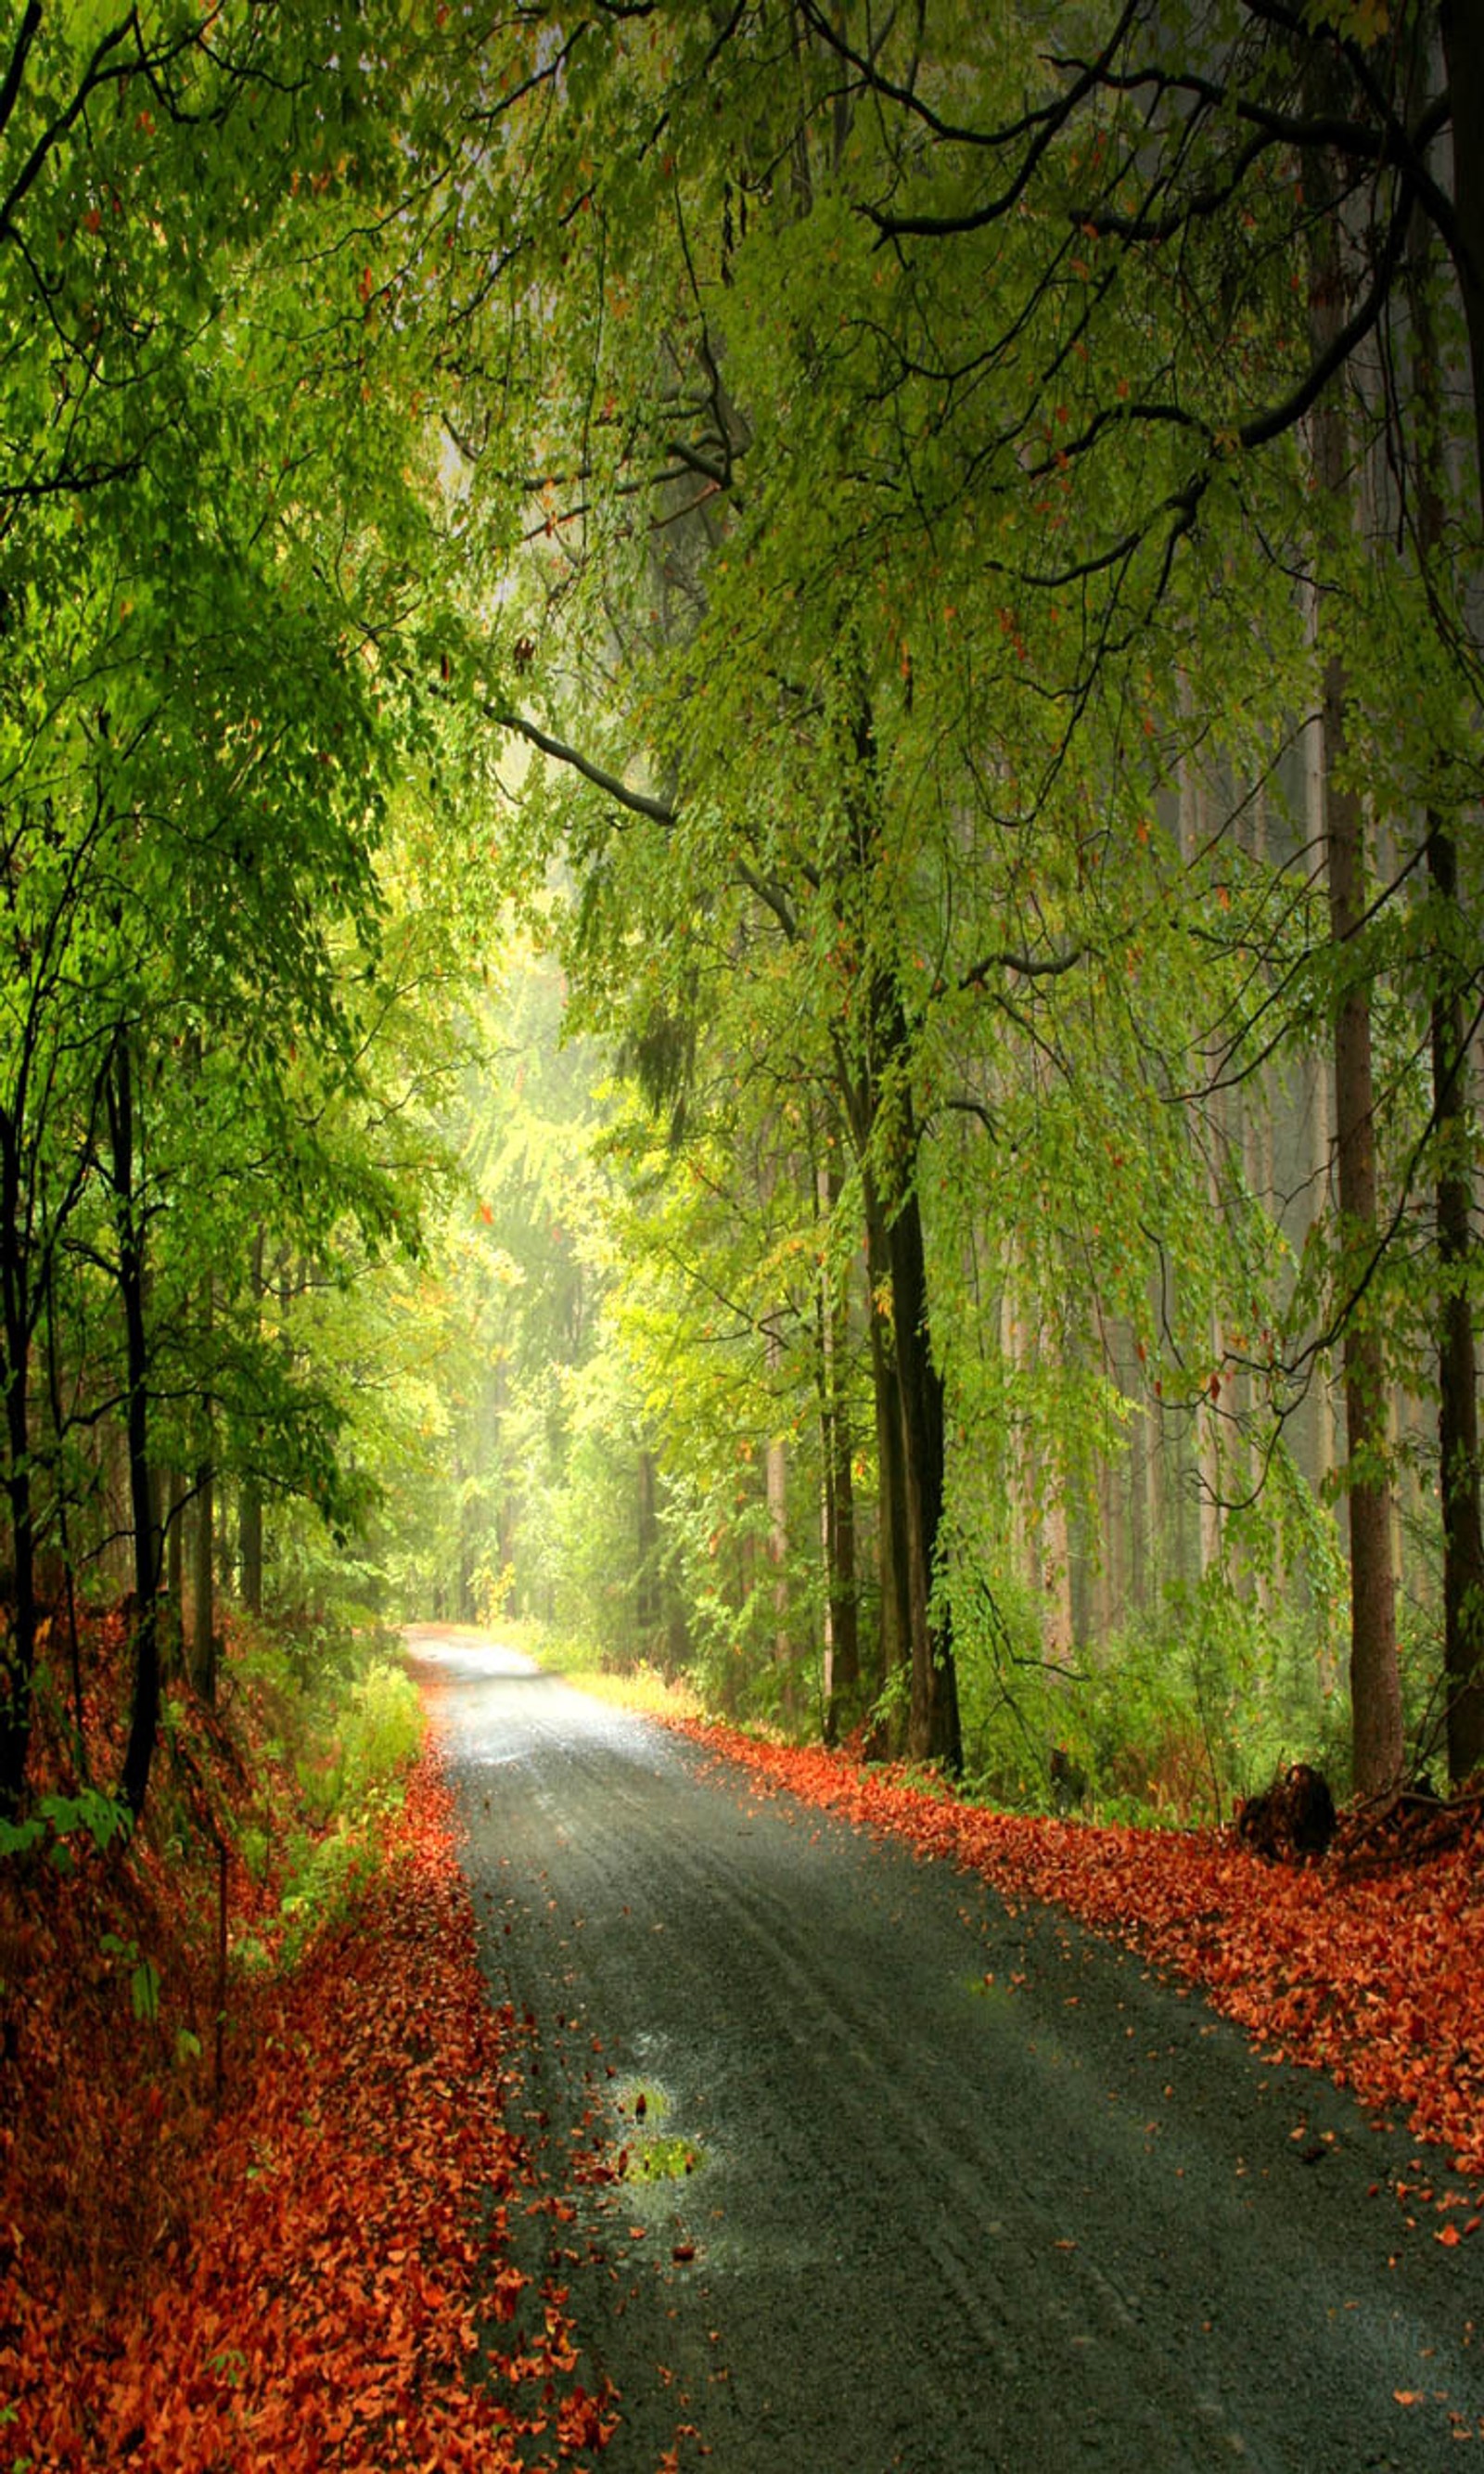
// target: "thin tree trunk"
[[204, 1538], [891, 1517], [646, 1581], [250, 1500], [775, 1471], [17, 1637], [144, 1715], [837, 1515], [170, 1496], [249, 1545], [202, 1587]]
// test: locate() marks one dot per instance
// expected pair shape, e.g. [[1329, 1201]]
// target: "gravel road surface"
[[913, 2183]]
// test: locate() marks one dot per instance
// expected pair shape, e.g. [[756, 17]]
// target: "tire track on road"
[[976, 2194]]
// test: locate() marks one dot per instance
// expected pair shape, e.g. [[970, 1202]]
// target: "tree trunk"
[[896, 1630], [933, 1733], [202, 1587], [250, 1500], [1463, 49], [18, 1620], [1375, 1690], [875, 1061], [910, 1432], [646, 1579], [144, 1715], [249, 1545], [1458, 1411], [838, 1514], [1375, 1693], [202, 1568], [775, 1471]]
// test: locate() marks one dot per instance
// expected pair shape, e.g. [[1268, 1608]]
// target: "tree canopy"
[[910, 577]]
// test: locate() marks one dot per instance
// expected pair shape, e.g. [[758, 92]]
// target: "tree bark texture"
[[203, 1567], [20, 1601], [1463, 50], [838, 1514], [1458, 1410], [144, 1714], [1375, 1690], [1458, 1414]]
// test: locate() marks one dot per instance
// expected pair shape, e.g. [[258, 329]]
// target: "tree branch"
[[640, 803]]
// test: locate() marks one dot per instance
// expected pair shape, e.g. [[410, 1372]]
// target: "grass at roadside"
[[645, 1691], [642, 1687]]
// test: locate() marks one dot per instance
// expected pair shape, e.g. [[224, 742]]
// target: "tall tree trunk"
[[1375, 1690], [204, 1585], [1458, 1410], [838, 1514], [202, 1568], [896, 1627], [876, 1087], [646, 1579], [175, 1545], [19, 1620], [775, 1474], [250, 1499], [144, 1714], [67, 1577], [171, 1498], [1463, 49], [249, 1545], [933, 1733]]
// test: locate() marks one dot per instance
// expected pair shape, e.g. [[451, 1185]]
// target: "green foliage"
[[923, 560], [379, 1733], [143, 1978], [55, 1819], [324, 1877], [343, 1713], [342, 1721], [1171, 1719]]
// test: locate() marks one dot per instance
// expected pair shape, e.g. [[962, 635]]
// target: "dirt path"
[[970, 2192]]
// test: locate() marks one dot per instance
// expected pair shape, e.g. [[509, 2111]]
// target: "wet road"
[[915, 2184]]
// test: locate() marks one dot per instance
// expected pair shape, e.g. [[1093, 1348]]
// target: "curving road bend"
[[916, 2186]]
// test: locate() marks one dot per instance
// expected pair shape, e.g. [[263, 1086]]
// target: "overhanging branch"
[[640, 803]]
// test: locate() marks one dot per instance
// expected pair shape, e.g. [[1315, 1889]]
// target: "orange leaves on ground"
[[583, 2421], [1377, 1979], [316, 2295]]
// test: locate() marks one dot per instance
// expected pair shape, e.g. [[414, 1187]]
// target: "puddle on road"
[[646, 2152]]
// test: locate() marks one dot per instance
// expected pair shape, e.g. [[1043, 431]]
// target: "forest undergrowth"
[[286, 2248], [1368, 1965]]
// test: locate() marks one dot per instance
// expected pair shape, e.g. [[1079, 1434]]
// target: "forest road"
[[970, 2191]]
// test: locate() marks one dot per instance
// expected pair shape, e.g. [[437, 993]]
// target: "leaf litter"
[[312, 2273]]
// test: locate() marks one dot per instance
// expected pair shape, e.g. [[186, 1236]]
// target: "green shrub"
[[381, 1731], [324, 1878]]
